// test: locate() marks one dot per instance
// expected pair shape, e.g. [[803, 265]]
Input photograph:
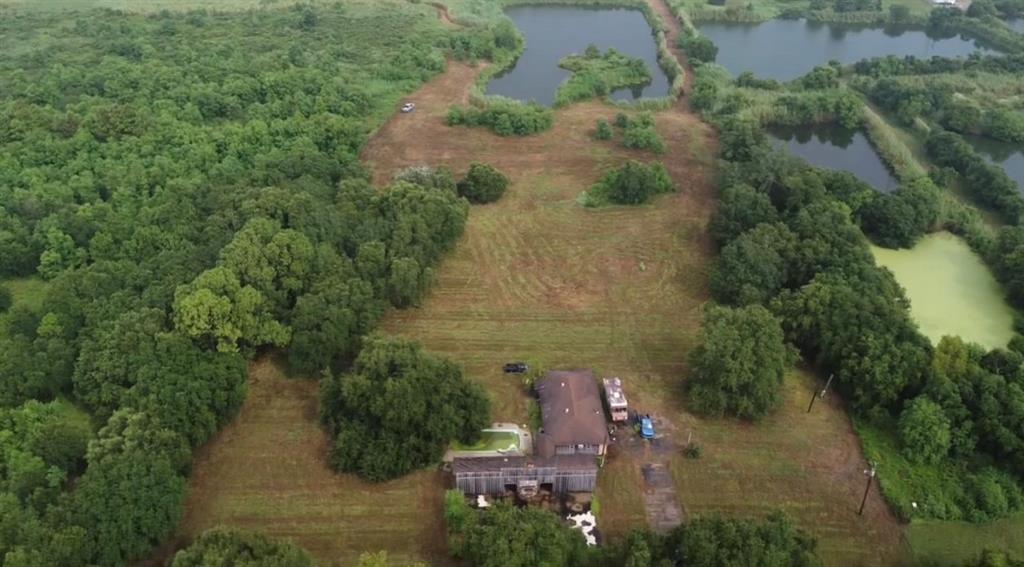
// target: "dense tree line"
[[224, 546], [504, 535], [188, 186], [791, 239], [988, 184]]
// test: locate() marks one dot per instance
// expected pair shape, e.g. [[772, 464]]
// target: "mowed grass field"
[[953, 543], [620, 290], [267, 471]]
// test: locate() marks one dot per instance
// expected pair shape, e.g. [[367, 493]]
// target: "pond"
[[787, 49], [1008, 156], [552, 32], [951, 291], [839, 148]]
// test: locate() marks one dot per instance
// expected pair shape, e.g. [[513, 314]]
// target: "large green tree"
[[398, 408], [740, 363]]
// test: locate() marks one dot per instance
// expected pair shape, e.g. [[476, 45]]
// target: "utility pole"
[[870, 473], [822, 393]]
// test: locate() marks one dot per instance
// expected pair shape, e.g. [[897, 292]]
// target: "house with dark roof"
[[572, 414], [573, 434]]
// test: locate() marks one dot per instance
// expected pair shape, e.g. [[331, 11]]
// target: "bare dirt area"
[[620, 290], [267, 471]]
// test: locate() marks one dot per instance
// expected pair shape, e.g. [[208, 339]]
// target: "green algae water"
[[951, 291]]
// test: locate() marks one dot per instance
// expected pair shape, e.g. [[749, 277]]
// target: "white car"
[[408, 107]]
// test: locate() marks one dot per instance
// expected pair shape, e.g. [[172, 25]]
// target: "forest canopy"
[[185, 190]]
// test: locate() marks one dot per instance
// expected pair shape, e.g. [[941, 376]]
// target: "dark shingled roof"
[[570, 407], [496, 464]]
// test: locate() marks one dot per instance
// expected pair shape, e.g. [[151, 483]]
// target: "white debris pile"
[[585, 523], [481, 501]]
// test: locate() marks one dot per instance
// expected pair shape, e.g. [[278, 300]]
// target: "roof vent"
[[566, 410], [563, 384]]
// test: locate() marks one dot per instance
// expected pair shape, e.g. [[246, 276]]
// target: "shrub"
[[640, 134], [698, 48], [632, 184], [924, 431], [429, 177], [482, 184], [504, 117], [603, 132]]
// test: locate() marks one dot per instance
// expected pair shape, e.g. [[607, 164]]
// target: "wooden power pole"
[[821, 394]]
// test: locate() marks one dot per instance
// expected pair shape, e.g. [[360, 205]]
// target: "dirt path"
[[445, 17], [673, 30]]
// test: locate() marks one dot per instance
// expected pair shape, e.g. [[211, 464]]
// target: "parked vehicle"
[[408, 107], [646, 427], [516, 368]]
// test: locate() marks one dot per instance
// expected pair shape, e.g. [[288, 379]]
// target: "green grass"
[[268, 471], [490, 441], [26, 292], [952, 543]]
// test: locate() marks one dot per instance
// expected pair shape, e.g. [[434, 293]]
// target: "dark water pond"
[[787, 49], [836, 148], [1008, 156], [552, 32]]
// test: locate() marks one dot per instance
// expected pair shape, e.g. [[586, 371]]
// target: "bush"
[[713, 541], [698, 48], [740, 363], [924, 431], [640, 134], [604, 130], [482, 184], [504, 117], [632, 184], [229, 546]]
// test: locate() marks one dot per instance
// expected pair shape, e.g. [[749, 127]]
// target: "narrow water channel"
[[787, 49], [552, 32], [1010, 157], [838, 148]]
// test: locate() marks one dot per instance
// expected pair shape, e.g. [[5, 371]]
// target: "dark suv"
[[516, 368]]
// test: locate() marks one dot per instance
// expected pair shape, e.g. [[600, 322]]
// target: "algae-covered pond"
[[951, 291], [553, 32]]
